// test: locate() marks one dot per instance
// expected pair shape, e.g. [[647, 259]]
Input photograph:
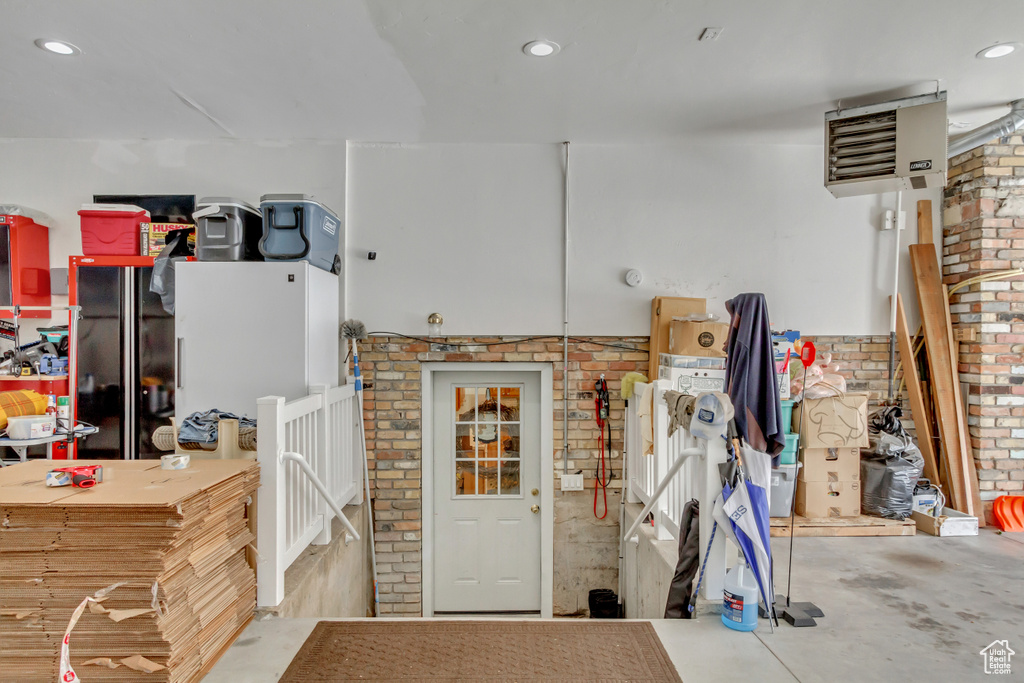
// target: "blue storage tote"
[[788, 455], [296, 227]]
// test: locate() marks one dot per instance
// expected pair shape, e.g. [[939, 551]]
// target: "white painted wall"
[[475, 232]]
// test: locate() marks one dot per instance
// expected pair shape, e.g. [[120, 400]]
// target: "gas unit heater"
[[897, 145]]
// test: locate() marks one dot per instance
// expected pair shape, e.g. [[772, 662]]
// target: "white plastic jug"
[[739, 608]]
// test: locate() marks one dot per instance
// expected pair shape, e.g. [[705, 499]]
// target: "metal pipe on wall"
[[1001, 127], [565, 320]]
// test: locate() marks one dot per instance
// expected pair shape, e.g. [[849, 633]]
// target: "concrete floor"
[[904, 608]]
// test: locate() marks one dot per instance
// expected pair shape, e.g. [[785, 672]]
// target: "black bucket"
[[604, 604]]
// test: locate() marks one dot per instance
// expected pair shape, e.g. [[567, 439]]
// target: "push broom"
[[354, 330]]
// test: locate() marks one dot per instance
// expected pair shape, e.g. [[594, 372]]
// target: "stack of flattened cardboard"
[[172, 542]]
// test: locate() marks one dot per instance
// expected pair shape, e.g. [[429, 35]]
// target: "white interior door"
[[486, 492]]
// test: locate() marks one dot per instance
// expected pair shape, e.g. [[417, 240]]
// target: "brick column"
[[983, 219]]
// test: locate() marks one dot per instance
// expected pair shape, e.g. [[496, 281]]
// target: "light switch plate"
[[572, 482]]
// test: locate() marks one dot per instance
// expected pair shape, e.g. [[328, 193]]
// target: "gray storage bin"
[[783, 486], [227, 229], [296, 227]]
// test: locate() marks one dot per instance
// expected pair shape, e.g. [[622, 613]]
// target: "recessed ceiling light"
[[998, 50], [541, 48], [57, 47]]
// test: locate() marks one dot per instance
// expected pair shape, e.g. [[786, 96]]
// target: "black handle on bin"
[[271, 225]]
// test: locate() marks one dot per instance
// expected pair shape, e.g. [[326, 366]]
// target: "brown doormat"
[[394, 650]]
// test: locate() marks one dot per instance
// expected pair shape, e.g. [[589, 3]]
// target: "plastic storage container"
[[30, 426], [739, 606], [296, 227], [227, 229], [111, 229], [787, 414], [788, 454], [783, 485]]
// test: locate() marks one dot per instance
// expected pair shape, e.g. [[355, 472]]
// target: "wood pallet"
[[862, 525]]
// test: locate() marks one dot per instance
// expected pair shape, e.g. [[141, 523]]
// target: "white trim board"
[[547, 474]]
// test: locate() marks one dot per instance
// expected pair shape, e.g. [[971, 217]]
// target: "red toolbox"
[[24, 262], [111, 229]]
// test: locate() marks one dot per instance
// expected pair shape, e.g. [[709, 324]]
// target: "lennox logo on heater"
[[923, 165]]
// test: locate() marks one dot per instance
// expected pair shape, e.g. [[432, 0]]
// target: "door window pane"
[[465, 478], [487, 432], [510, 477]]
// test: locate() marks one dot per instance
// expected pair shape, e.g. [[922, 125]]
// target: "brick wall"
[[983, 217], [586, 550]]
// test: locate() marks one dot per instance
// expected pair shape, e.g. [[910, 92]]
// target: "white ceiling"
[[453, 71]]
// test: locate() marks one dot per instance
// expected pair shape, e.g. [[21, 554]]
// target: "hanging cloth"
[[750, 374], [677, 605]]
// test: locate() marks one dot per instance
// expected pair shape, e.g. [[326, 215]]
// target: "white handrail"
[[297, 458], [664, 480], [656, 496], [297, 503]]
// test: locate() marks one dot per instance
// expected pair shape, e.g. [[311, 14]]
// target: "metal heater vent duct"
[[886, 147], [862, 147]]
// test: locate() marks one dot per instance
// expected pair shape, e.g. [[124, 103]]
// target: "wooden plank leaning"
[[922, 419], [930, 297], [970, 469]]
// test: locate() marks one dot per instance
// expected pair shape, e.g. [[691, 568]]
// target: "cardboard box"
[[697, 339], [693, 381], [669, 361], [664, 309], [783, 342], [818, 499], [830, 464], [949, 523], [833, 422]]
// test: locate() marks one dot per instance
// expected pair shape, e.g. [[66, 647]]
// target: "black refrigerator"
[[125, 366]]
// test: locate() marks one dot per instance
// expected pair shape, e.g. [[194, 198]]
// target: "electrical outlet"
[[572, 482]]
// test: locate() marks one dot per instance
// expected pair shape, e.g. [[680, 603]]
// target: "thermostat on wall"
[[634, 277]]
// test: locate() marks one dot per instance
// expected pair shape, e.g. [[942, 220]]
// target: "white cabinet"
[[248, 329]]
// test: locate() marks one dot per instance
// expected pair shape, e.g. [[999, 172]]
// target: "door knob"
[[535, 509]]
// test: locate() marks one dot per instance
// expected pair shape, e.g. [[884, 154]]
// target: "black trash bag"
[[604, 604], [890, 471], [162, 281]]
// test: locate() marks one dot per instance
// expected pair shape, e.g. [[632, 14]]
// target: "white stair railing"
[[309, 469], [693, 464]]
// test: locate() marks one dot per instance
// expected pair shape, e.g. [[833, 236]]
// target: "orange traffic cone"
[[1009, 512]]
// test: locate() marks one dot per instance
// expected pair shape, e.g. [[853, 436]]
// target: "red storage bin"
[[111, 229]]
